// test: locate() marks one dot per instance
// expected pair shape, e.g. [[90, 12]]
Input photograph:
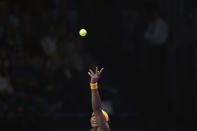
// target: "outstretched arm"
[[96, 100]]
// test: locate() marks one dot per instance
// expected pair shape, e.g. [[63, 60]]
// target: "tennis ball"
[[82, 32]]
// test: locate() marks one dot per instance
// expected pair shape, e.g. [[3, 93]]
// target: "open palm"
[[95, 75]]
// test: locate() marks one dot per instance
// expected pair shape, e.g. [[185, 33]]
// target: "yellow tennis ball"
[[82, 32]]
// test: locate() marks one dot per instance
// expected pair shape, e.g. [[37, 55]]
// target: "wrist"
[[93, 86], [93, 81]]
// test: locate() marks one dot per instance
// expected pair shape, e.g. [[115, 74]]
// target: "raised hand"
[[95, 75]]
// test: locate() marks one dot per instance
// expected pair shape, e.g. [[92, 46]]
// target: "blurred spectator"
[[47, 78], [157, 31], [27, 89], [14, 18], [156, 39], [66, 82], [67, 72], [49, 42], [5, 58], [156, 36], [5, 85], [73, 14], [20, 73], [75, 49], [44, 61], [9, 37]]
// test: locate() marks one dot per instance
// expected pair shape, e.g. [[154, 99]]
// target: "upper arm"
[[103, 124], [100, 116]]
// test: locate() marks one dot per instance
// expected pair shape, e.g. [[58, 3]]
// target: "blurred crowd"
[[43, 61]]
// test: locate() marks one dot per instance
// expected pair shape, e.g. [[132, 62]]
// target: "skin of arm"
[[96, 100]]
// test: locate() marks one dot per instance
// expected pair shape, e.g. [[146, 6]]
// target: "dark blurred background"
[[147, 47]]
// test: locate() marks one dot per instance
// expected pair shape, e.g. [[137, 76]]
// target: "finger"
[[96, 69], [101, 71], [90, 74]]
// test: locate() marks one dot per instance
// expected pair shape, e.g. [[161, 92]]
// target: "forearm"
[[96, 100]]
